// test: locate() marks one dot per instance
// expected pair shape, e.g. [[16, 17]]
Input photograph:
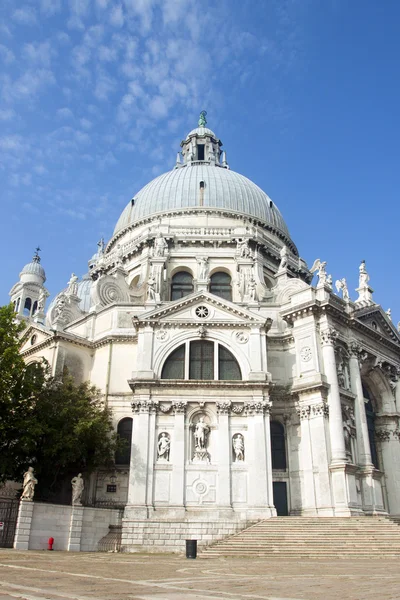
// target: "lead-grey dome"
[[223, 189]]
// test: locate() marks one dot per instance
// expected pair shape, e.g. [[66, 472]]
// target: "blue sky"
[[95, 96]]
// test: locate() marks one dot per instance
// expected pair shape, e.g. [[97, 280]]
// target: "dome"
[[201, 131], [222, 188], [34, 268]]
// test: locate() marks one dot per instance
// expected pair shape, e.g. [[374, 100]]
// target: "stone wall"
[[74, 528], [170, 536]]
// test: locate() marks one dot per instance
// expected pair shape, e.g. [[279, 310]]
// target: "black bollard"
[[191, 548]]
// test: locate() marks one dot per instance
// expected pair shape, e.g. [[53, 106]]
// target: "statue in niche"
[[243, 248], [238, 447], [202, 267], [72, 289], [163, 446], [29, 485], [78, 486], [349, 430], [151, 288], [251, 289], [201, 433], [160, 245]]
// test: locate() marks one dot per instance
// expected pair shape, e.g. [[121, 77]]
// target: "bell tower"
[[29, 294]]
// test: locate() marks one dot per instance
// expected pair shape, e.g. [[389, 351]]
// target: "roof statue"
[[202, 119], [36, 257]]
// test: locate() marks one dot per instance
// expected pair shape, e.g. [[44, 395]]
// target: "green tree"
[[56, 426]]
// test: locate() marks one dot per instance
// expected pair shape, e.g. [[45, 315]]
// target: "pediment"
[[202, 307], [33, 337], [376, 318]]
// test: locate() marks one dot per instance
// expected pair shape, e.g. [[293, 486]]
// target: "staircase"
[[313, 537]]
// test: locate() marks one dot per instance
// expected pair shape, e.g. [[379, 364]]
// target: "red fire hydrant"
[[50, 543]]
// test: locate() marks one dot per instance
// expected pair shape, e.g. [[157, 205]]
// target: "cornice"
[[186, 384]]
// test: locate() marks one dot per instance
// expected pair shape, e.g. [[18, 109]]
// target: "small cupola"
[[201, 145]]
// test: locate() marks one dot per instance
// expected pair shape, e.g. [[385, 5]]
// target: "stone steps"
[[314, 537]]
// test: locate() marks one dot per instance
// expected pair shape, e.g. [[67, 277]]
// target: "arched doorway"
[[279, 463]]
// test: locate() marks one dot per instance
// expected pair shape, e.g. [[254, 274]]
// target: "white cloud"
[[24, 16], [5, 31], [50, 7], [65, 113], [28, 85], [107, 54], [158, 107], [17, 179], [105, 85], [13, 143], [79, 7], [7, 114], [102, 4], [6, 54], [117, 16], [40, 169], [38, 53], [86, 124], [63, 37]]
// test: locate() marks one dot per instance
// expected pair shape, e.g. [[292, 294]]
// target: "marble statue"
[[78, 486], [43, 294], [251, 289], [284, 258], [151, 288], [319, 267], [72, 289], [341, 284], [202, 118], [364, 277], [243, 248], [389, 313], [203, 264], [60, 306], [160, 246], [163, 447], [29, 485], [238, 447], [201, 432]]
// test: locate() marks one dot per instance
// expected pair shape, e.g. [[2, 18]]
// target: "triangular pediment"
[[33, 337], [202, 307], [376, 318]]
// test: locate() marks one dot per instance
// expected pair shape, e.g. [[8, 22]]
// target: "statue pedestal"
[[24, 524]]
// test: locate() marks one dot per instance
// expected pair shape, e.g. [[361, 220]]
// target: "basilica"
[[247, 384]]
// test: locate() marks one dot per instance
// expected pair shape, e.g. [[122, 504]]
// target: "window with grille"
[[220, 285], [124, 430], [228, 367], [174, 366], [181, 285], [278, 446], [200, 362]]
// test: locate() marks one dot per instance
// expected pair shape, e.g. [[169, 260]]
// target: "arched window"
[[278, 446], [34, 309], [228, 367], [199, 362], [182, 285], [370, 414], [27, 307], [17, 305], [174, 366], [124, 430], [220, 285]]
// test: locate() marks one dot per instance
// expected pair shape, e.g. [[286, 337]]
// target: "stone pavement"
[[35, 575]]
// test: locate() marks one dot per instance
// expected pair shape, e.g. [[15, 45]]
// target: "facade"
[[244, 391]]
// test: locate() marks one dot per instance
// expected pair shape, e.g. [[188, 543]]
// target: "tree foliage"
[[56, 426]]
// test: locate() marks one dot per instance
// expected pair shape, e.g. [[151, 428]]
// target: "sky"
[[96, 95]]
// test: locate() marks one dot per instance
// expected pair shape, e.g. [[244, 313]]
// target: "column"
[[178, 457], [308, 503], [387, 435], [75, 529], [138, 472], [363, 448], [338, 451], [259, 500], [24, 524], [224, 456]]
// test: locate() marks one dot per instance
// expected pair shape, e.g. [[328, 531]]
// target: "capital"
[[223, 408], [328, 336]]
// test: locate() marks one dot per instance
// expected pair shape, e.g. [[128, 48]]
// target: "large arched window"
[[182, 285], [278, 446], [220, 285], [370, 414], [27, 307], [196, 360], [124, 430]]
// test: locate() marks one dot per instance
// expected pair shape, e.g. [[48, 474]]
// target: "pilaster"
[[24, 524], [224, 455], [388, 437], [178, 456], [75, 529]]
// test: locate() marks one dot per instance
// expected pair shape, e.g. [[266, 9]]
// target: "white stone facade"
[[247, 390]]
